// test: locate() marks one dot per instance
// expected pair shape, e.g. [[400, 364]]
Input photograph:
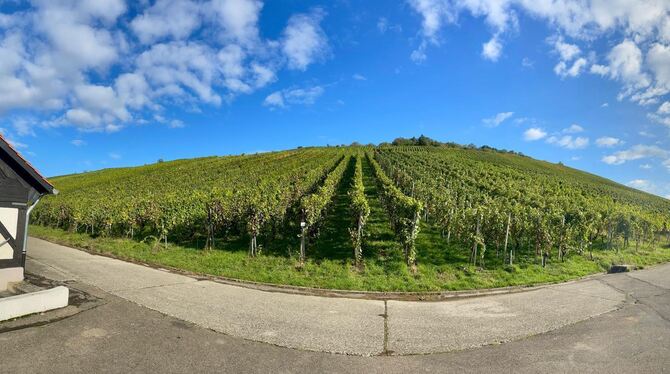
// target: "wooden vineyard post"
[[561, 244], [509, 219], [210, 230], [357, 251], [473, 255], [303, 225]]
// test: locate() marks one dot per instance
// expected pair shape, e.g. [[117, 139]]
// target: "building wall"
[[10, 275], [9, 218]]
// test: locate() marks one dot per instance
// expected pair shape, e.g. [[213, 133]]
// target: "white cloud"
[[98, 67], [662, 114], [645, 166], [658, 58], [238, 19], [359, 77], [636, 152], [625, 63], [151, 25], [649, 186], [568, 53], [568, 142], [608, 142], [304, 42], [641, 184], [663, 120], [176, 124], [664, 108], [301, 96], [492, 49], [114, 156], [527, 63], [573, 129], [434, 14], [604, 105], [275, 99], [497, 119], [14, 143], [77, 142], [23, 126], [533, 134], [577, 67], [565, 50], [419, 55], [640, 60], [382, 24]]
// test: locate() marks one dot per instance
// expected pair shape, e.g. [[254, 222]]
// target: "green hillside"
[[394, 217]]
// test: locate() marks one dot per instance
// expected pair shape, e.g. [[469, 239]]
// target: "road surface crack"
[[386, 351]]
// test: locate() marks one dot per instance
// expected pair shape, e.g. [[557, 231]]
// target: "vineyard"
[[380, 218]]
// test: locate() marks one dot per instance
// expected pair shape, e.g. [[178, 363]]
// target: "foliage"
[[403, 211], [552, 209], [495, 207], [360, 210]]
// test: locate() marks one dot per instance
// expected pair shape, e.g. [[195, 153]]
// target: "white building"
[[21, 187]]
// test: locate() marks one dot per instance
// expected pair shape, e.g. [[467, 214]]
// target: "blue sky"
[[86, 85]]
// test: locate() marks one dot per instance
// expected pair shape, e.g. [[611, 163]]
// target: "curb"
[[428, 296]]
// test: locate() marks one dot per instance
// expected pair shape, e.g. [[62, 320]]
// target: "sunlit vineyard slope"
[[367, 206]]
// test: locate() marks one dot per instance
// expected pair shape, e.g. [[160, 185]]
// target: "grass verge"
[[440, 267]]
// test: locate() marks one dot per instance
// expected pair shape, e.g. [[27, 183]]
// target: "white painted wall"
[[9, 218], [10, 275]]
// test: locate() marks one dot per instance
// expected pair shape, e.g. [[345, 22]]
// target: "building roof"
[[24, 169]]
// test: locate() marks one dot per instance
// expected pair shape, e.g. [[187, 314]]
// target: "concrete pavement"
[[119, 336], [357, 327]]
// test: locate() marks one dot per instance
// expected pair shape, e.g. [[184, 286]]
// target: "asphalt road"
[[119, 336], [333, 325]]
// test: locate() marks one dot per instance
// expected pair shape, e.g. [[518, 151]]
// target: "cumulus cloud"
[[569, 142], [640, 184], [646, 185], [570, 63], [573, 129], [238, 19], [533, 134], [497, 119], [275, 99], [639, 60], [608, 142], [383, 25], [492, 49], [151, 25], [293, 96], [96, 66], [636, 152], [304, 41], [662, 114], [577, 19], [664, 108], [564, 70]]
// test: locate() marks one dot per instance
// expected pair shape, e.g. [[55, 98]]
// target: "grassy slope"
[[440, 266]]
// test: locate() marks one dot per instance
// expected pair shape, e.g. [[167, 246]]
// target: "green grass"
[[438, 268], [329, 258]]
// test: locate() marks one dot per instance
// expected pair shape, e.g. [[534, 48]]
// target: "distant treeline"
[[429, 142]]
